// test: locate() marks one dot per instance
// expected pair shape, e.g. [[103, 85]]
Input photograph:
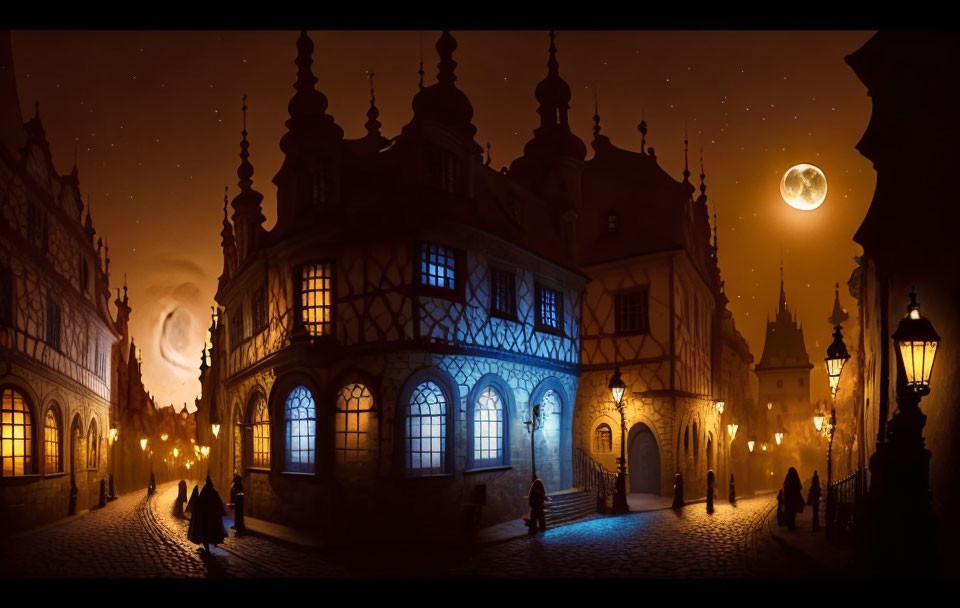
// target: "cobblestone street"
[[136, 536]]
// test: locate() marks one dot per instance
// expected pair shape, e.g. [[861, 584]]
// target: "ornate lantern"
[[837, 357], [720, 405], [164, 437], [617, 386], [917, 343], [818, 421], [216, 430], [750, 445], [778, 437], [732, 430], [143, 444]]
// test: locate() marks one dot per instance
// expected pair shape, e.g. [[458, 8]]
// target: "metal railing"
[[594, 477], [843, 499]]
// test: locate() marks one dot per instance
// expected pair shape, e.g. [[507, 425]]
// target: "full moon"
[[804, 187]]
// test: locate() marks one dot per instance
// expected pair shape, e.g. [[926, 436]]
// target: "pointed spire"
[[487, 164], [596, 114], [714, 228], [88, 223], [420, 71], [642, 127], [686, 163], [106, 256], [553, 68], [446, 45], [782, 304], [247, 213], [227, 239], [76, 146], [703, 185], [839, 314], [245, 170], [372, 125]]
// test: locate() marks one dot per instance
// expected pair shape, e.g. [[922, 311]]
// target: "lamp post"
[[617, 388], [900, 479], [533, 424], [837, 357]]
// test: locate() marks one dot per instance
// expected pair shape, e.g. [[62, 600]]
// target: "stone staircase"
[[569, 506]]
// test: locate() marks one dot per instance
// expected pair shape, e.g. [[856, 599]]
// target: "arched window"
[[301, 423], [352, 426], [488, 425], [16, 434], [426, 430], [603, 439], [261, 434], [93, 446], [51, 442], [238, 441]]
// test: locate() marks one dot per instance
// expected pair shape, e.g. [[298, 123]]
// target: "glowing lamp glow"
[[192, 440], [205, 451], [732, 430], [837, 357], [196, 449], [113, 434], [778, 437], [763, 446], [216, 430], [750, 445], [164, 437], [188, 465], [720, 405], [143, 444], [769, 405], [176, 452], [917, 343], [616, 386], [818, 421]]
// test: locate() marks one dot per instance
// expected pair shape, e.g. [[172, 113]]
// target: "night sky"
[[155, 120]]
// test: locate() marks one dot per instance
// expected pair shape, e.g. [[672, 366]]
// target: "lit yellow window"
[[51, 441], [354, 419], [316, 298], [261, 435], [16, 434]]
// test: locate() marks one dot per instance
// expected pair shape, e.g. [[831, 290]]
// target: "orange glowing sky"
[[155, 117]]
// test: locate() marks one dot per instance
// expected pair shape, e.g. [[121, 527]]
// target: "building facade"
[[56, 331]]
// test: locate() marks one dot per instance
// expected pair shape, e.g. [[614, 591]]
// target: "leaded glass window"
[[93, 446], [438, 266], [53, 323], [261, 434], [316, 298], [238, 443], [549, 308], [353, 424], [488, 428], [603, 439], [503, 293], [426, 430], [16, 434], [630, 312], [51, 442], [301, 424]]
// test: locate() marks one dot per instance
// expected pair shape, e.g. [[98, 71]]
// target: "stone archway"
[[643, 460]]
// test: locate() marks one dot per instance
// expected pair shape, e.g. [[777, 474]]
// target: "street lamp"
[[750, 445], [818, 421], [617, 388], [837, 357], [720, 405], [917, 343], [216, 430], [164, 437], [532, 424], [732, 431], [113, 435], [143, 444], [778, 437]]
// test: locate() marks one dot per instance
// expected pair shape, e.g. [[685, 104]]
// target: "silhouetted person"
[[537, 496], [792, 498], [711, 482], [103, 493], [780, 507], [152, 487], [181, 499], [206, 526], [236, 498], [813, 499], [192, 503], [677, 491], [733, 491]]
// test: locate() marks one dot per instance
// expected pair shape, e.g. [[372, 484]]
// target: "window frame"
[[596, 438], [308, 468], [54, 411], [298, 300], [644, 293], [538, 324], [30, 448], [505, 396], [451, 404], [511, 277], [340, 450], [257, 328], [256, 400], [455, 294]]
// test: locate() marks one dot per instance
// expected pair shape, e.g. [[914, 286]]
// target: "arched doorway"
[[643, 460], [547, 441]]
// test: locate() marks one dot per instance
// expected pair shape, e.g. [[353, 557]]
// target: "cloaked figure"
[[206, 526], [537, 496], [711, 483], [677, 491], [152, 487], [181, 499], [236, 499], [792, 498], [813, 499], [192, 503], [733, 491]]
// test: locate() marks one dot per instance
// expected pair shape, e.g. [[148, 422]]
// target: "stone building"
[[382, 353], [56, 331], [908, 243]]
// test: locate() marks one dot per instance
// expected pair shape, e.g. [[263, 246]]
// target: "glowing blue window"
[[437, 266], [549, 309], [301, 423], [426, 430], [488, 428]]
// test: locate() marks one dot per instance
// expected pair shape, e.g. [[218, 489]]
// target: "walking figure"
[[152, 487], [733, 491], [677, 491], [537, 496], [711, 482], [206, 526], [792, 498], [236, 498], [181, 499], [813, 499]]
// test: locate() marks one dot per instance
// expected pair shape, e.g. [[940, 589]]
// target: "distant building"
[[380, 352]]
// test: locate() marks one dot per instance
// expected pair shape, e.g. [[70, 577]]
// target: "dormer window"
[[441, 168], [503, 293]]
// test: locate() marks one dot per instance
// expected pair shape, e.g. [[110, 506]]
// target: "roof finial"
[[686, 164], [552, 65], [596, 113], [714, 227], [642, 127], [703, 185], [487, 164], [372, 124], [245, 170], [420, 71], [446, 45]]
